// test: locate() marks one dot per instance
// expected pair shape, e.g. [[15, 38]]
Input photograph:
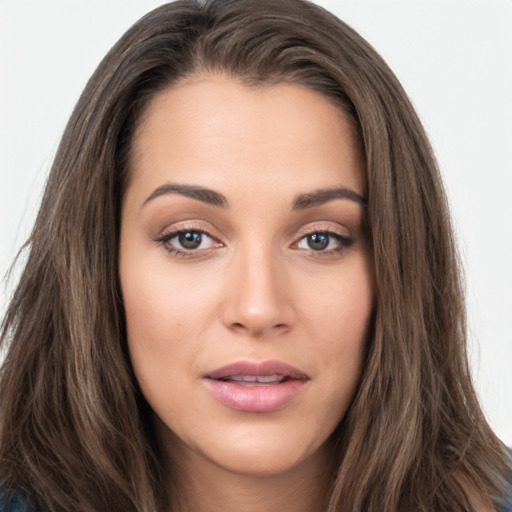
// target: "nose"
[[259, 298]]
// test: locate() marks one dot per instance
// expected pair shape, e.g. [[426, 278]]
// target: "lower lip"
[[255, 398]]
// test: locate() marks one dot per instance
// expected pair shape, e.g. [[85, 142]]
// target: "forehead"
[[214, 131]]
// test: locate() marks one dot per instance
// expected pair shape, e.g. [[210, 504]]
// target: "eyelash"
[[343, 241], [164, 240]]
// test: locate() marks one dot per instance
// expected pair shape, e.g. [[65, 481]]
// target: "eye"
[[324, 241], [186, 241], [190, 239]]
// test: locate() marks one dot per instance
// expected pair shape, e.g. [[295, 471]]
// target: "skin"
[[253, 290]]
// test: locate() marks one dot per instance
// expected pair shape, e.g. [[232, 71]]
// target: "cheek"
[[340, 310], [160, 304], [340, 322], [163, 314]]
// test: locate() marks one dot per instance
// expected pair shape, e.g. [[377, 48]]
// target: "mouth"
[[256, 387], [255, 380]]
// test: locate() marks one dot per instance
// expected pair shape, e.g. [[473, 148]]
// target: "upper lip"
[[256, 368]]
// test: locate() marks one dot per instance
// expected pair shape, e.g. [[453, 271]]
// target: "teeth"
[[270, 378], [243, 378], [264, 379]]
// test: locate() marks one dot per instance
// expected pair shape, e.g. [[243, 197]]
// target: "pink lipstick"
[[256, 387]]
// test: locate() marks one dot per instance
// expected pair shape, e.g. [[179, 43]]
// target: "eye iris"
[[190, 240], [318, 241]]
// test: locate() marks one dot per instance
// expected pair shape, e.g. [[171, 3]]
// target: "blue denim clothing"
[[14, 504], [506, 506]]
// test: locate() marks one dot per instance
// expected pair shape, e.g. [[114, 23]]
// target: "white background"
[[454, 57]]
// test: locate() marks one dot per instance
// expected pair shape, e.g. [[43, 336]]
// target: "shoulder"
[[506, 505], [13, 503]]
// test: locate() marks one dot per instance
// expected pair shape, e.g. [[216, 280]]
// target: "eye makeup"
[[188, 241], [191, 240]]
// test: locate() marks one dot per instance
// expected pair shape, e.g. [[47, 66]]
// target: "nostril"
[[240, 327]]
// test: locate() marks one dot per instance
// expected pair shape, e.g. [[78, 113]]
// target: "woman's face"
[[246, 271]]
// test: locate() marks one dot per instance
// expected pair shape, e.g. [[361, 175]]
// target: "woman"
[[242, 290]]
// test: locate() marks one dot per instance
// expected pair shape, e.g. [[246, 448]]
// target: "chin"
[[260, 459], [262, 449]]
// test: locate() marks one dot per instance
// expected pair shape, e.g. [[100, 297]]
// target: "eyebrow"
[[301, 202], [319, 197], [203, 194]]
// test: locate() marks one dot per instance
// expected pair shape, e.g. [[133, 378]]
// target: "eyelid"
[[323, 227], [188, 225], [341, 234], [335, 230], [178, 228]]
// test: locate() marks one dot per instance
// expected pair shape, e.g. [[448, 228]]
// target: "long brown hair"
[[75, 432]]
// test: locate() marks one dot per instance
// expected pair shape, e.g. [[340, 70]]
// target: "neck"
[[203, 486]]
